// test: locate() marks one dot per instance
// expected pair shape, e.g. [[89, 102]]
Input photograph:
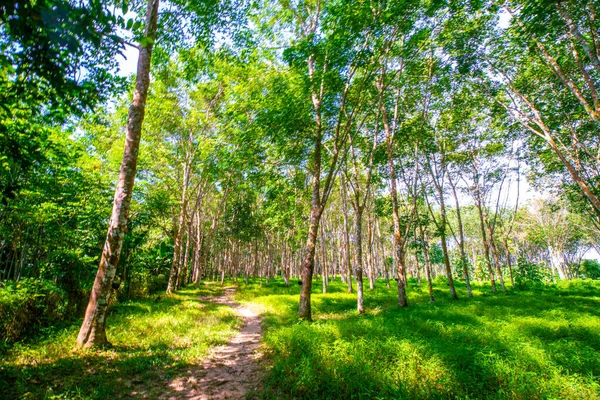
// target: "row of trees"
[[378, 139]]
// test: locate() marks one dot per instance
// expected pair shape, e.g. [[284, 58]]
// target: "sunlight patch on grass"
[[152, 339], [541, 343]]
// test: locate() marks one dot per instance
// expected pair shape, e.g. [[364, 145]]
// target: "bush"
[[590, 269], [157, 283], [441, 280], [527, 273], [28, 305]]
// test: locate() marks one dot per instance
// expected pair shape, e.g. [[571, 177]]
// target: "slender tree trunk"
[[308, 264], [427, 266], [486, 246], [197, 251], [494, 251], [418, 269], [358, 258], [179, 231], [346, 235], [556, 262], [323, 259], [186, 255], [370, 260], [461, 239], [398, 240], [93, 329], [448, 268], [509, 263], [445, 247]]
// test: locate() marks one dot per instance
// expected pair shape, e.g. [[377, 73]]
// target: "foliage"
[[590, 269], [58, 57], [527, 274], [29, 305]]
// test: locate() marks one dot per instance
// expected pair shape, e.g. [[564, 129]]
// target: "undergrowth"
[[540, 343], [154, 340]]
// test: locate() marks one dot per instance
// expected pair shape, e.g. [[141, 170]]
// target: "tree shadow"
[[141, 369], [481, 350]]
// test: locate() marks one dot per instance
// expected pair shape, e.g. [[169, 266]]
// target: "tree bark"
[[509, 263], [93, 329], [358, 265], [346, 236], [486, 245], [398, 241], [174, 280], [427, 265], [461, 239], [308, 265], [370, 256]]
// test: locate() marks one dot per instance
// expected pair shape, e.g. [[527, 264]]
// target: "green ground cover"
[[154, 340], [539, 343]]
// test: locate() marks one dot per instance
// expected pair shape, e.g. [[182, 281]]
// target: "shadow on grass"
[[139, 366], [96, 376], [530, 344]]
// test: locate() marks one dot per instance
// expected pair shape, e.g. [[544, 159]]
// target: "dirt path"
[[230, 371]]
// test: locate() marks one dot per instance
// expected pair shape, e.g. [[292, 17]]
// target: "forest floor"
[[538, 343], [230, 371], [203, 342], [195, 344]]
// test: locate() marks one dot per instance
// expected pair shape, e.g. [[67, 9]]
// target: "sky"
[[128, 64]]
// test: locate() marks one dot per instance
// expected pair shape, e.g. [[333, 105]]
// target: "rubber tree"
[[93, 329], [327, 52]]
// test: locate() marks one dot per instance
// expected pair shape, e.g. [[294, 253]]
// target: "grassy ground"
[[542, 343], [155, 340]]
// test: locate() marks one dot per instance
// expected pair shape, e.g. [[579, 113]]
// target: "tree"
[[93, 328]]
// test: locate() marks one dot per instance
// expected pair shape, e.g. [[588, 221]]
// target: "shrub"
[[28, 305], [527, 273], [157, 283], [590, 269], [441, 280]]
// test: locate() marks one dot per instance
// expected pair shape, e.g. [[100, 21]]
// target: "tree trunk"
[[93, 328], [445, 246], [461, 239], [427, 266], [323, 249], [509, 263], [308, 264], [346, 235], [556, 261], [448, 268], [494, 251], [370, 258], [180, 229], [486, 245], [398, 241], [184, 270], [358, 258]]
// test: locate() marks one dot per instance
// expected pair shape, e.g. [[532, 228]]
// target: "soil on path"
[[229, 371]]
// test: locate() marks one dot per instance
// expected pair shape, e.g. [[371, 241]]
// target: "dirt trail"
[[229, 371]]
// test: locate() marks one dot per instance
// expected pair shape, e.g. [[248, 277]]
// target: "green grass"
[[542, 343], [154, 341]]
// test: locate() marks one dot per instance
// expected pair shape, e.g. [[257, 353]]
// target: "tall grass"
[[541, 343]]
